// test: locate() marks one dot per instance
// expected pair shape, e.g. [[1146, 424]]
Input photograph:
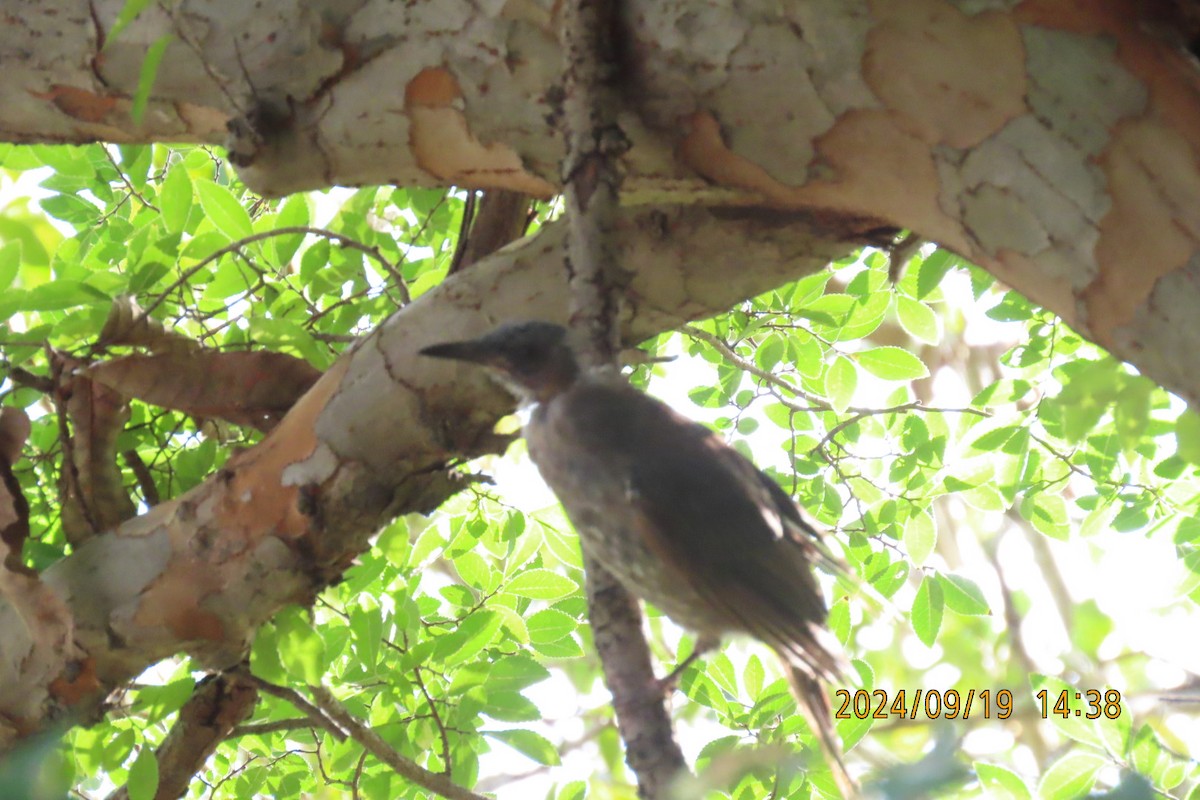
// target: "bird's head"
[[534, 358]]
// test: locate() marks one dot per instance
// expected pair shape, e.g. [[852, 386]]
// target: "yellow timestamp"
[[1099, 704], [930, 703]]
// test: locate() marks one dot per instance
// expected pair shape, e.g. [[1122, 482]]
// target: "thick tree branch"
[[216, 707], [198, 573]]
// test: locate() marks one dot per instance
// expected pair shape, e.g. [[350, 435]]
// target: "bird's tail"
[[815, 706]]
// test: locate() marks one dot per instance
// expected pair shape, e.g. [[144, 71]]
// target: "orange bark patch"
[[255, 503], [959, 78], [173, 602], [432, 88], [81, 682], [443, 145], [79, 104], [871, 164], [1153, 226]]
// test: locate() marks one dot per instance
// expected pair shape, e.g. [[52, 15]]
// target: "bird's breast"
[[591, 477]]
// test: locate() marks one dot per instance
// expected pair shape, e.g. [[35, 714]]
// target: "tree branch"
[[216, 707], [592, 180], [373, 743], [500, 220]]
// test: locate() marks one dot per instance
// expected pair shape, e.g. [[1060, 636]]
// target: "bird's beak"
[[470, 350]]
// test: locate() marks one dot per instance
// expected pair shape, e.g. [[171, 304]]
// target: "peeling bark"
[[1052, 142]]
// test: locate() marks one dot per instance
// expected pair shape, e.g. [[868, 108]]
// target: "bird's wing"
[[701, 504]]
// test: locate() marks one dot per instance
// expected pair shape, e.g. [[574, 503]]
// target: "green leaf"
[[293, 214], [509, 706], [1115, 733], [838, 620], [147, 76], [1147, 754], [541, 584], [927, 610], [61, 294], [1071, 777], [575, 790], [301, 648], [1047, 513], [752, 676], [147, 276], [1131, 412], [892, 364], [528, 743], [175, 198], [932, 270], [1011, 308], [920, 537], [473, 634], [566, 647], [264, 655], [69, 208], [889, 581], [224, 210], [366, 626], [1075, 726], [550, 625], [1001, 783], [1003, 391], [962, 595], [770, 352], [10, 263], [918, 319], [854, 729], [1188, 530], [157, 702], [994, 439], [473, 569], [1099, 519], [720, 669], [395, 543], [513, 673], [1089, 388], [1089, 627], [1187, 436], [840, 383], [143, 776]]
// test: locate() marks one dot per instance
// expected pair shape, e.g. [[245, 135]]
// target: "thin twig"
[[125, 179], [318, 718], [732, 357], [374, 743], [292, 230], [437, 721]]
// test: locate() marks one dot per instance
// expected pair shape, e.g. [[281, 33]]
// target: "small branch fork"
[[592, 180]]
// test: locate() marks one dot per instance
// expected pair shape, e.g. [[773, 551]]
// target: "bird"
[[680, 518]]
